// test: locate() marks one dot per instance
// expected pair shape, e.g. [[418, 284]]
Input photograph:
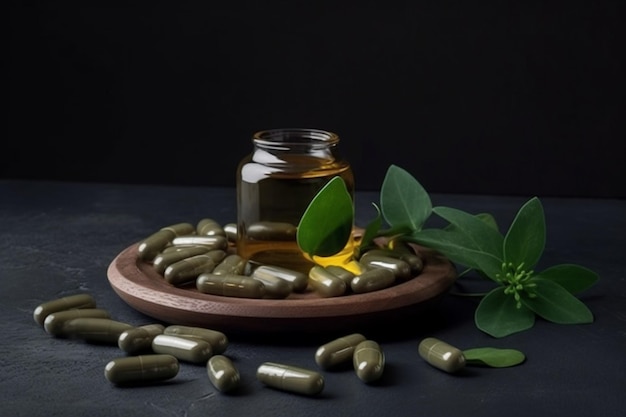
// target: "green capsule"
[[275, 287], [212, 242], [230, 229], [222, 373], [299, 280], [188, 269], [154, 244], [400, 268], [272, 231], [209, 227], [139, 339], [165, 259], [217, 339], [341, 273], [325, 283], [337, 351], [441, 355], [290, 378], [65, 303], [414, 260], [141, 369], [368, 361], [230, 285], [372, 280], [232, 264], [181, 229], [184, 349], [54, 323], [95, 330]]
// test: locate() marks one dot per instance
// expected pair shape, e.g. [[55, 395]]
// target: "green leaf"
[[403, 200], [498, 315], [493, 357], [485, 217], [526, 238], [574, 278], [554, 303], [326, 225]]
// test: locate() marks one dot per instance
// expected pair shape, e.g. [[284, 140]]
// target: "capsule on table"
[[139, 339], [337, 351], [151, 246], [212, 242], [54, 323], [184, 349], [275, 287], [188, 269], [299, 280], [325, 283], [272, 231], [441, 355], [165, 259], [368, 361], [400, 268], [180, 229], [209, 227], [372, 280], [95, 330], [290, 378], [222, 373], [217, 339], [64, 303], [232, 264], [230, 229], [141, 369], [230, 285]]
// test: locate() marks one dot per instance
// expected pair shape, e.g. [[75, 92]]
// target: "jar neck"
[[295, 140]]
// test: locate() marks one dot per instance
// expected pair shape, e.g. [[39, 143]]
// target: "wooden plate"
[[144, 289]]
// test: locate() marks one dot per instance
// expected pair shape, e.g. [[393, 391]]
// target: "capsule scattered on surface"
[[299, 280], [441, 355], [400, 268], [275, 287], [95, 330], [325, 283], [230, 285], [54, 323], [165, 259], [180, 229], [368, 361], [151, 246], [232, 264], [184, 349], [139, 339], [217, 339], [60, 304], [272, 231], [231, 232], [188, 269], [209, 227], [212, 242], [222, 373], [338, 351], [372, 280], [141, 369], [290, 378]]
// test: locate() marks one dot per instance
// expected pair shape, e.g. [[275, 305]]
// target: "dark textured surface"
[[58, 239]]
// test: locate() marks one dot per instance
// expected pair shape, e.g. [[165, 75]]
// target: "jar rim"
[[295, 136]]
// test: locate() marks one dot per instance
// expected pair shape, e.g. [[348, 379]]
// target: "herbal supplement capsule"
[[142, 368], [139, 339], [153, 244], [441, 355], [213, 242], [232, 264], [325, 283], [53, 324], [372, 280], [65, 303], [272, 231], [181, 229], [230, 229], [217, 339], [341, 272], [222, 373], [96, 330], [415, 261], [337, 351], [188, 269], [165, 259], [275, 287], [299, 280], [230, 285], [209, 227], [368, 361], [290, 378], [184, 349], [400, 268]]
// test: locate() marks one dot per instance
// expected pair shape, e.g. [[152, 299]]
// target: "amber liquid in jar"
[[275, 185]]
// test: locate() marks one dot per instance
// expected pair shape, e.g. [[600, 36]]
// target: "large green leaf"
[[574, 278], [403, 200], [326, 225], [526, 238], [554, 303], [498, 315]]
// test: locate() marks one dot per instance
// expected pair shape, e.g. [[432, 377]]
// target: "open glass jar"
[[276, 183]]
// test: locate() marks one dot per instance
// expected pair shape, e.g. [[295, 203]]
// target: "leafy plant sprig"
[[472, 241]]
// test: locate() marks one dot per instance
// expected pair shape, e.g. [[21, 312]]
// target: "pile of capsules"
[[153, 352], [183, 253]]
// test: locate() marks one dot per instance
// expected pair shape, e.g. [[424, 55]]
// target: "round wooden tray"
[[144, 289]]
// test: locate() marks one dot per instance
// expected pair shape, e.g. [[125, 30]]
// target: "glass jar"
[[276, 183]]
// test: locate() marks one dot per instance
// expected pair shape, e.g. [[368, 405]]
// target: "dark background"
[[517, 98]]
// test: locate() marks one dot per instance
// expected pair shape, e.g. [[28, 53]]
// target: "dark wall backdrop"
[[519, 98]]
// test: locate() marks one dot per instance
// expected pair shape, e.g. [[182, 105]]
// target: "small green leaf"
[[485, 217], [525, 241], [493, 357], [326, 225], [554, 303], [574, 278], [498, 315], [403, 200]]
